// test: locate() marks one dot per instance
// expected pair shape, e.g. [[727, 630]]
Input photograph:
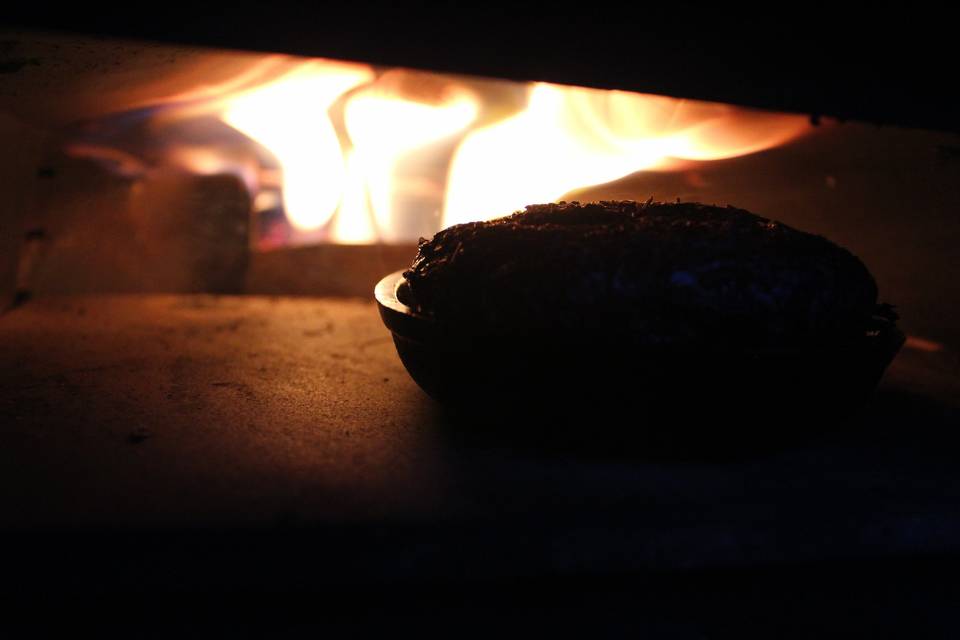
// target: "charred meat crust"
[[651, 273]]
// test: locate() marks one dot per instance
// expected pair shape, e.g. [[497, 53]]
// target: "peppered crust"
[[648, 274]]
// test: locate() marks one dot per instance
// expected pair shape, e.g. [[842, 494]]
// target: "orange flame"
[[363, 152], [289, 117], [569, 138]]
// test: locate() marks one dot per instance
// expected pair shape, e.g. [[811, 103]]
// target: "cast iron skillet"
[[594, 382]]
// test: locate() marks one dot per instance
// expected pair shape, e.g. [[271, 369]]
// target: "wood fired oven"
[[204, 424]]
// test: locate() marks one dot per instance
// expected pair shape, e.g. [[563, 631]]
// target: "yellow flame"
[[383, 129], [354, 223], [351, 143], [570, 137], [289, 117]]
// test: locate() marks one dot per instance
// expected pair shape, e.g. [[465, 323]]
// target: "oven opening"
[[191, 351], [156, 168]]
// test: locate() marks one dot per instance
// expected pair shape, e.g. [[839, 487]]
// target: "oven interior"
[[198, 396]]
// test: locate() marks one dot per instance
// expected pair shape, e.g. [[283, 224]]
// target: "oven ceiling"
[[889, 63]]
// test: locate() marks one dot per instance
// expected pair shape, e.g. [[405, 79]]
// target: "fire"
[[383, 130], [364, 155], [569, 138], [289, 118], [566, 138]]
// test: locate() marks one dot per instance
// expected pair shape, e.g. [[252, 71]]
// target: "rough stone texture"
[[324, 270], [21, 146], [97, 232], [55, 79], [204, 410], [148, 414]]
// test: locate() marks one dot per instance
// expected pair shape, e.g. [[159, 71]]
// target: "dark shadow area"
[[899, 598], [687, 434], [902, 420], [693, 429], [669, 407]]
